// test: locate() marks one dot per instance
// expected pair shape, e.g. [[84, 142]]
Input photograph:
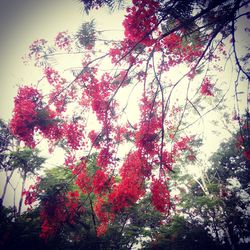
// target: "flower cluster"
[[53, 76], [37, 50], [71, 204], [140, 21], [56, 212], [102, 182], [207, 87], [104, 157], [83, 180], [52, 216], [104, 216], [133, 172], [122, 50], [160, 195], [30, 195], [57, 96], [73, 132], [63, 40], [147, 136], [31, 115], [27, 103]]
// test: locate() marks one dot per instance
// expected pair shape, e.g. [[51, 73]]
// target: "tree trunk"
[[8, 177], [215, 228], [229, 239], [98, 245], [21, 198]]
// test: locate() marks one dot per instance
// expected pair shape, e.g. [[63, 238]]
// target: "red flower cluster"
[[30, 115], [57, 211], [72, 204], [94, 138], [246, 154], [57, 97], [63, 40], [49, 126], [160, 195], [207, 87], [53, 76], [37, 49], [52, 216], [182, 144], [140, 21], [147, 136], [177, 51], [30, 195], [133, 172], [83, 180], [102, 182], [104, 157], [27, 104], [125, 194], [121, 50], [73, 132], [104, 216]]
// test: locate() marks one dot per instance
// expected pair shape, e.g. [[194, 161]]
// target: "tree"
[[160, 38], [27, 162], [5, 146], [72, 220], [14, 158], [214, 206]]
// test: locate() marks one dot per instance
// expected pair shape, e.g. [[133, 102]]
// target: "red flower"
[[140, 21], [246, 154], [160, 195], [63, 40], [101, 182], [207, 87], [27, 103]]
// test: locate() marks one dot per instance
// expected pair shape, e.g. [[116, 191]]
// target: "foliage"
[[75, 228], [218, 206], [5, 145]]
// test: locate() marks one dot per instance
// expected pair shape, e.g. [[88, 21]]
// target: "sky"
[[22, 22]]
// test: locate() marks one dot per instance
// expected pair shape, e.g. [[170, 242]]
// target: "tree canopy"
[[126, 117]]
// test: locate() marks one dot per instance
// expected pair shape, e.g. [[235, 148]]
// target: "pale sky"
[[22, 22]]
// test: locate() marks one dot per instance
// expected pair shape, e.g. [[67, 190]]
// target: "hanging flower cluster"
[[104, 216], [30, 195], [28, 103], [73, 133], [131, 188], [207, 87], [63, 40], [37, 49], [55, 213], [160, 195], [31, 115], [140, 21]]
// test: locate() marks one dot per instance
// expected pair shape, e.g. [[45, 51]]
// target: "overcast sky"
[[23, 21]]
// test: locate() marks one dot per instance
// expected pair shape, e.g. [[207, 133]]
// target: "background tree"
[[69, 221], [6, 143], [215, 209], [27, 162]]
